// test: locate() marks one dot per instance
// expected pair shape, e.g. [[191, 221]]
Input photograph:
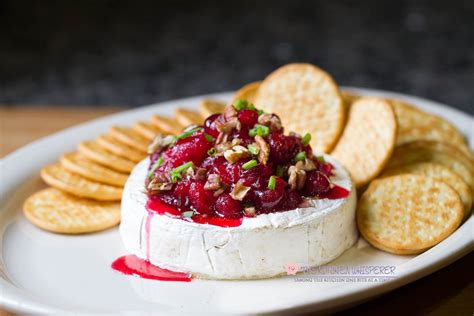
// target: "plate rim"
[[15, 299]]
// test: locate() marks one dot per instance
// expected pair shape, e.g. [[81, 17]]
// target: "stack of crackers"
[[414, 171], [87, 185]]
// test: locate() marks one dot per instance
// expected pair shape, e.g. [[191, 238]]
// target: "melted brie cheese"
[[259, 248]]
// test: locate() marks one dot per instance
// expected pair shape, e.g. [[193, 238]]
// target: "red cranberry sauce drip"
[[205, 185], [132, 265]]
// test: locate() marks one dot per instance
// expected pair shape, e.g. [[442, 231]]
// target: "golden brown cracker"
[[307, 100], [129, 137], [166, 124], [416, 124], [59, 212], [430, 151], [247, 92], [147, 130], [368, 139], [93, 151], [120, 149], [60, 178], [207, 107], [438, 172], [187, 117], [78, 163], [408, 214]]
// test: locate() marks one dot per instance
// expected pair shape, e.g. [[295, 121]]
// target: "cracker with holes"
[[129, 137], [438, 172], [93, 151], [59, 212], [415, 124], [430, 151], [60, 178], [79, 164], [368, 139], [307, 100], [119, 148], [408, 214]]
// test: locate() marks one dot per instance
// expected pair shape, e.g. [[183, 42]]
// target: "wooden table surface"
[[448, 291]]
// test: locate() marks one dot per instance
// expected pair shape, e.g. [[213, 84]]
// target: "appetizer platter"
[[247, 196]]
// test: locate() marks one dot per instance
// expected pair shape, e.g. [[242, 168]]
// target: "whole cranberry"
[[316, 183], [193, 148], [257, 177], [267, 200], [248, 117], [326, 168], [283, 148], [198, 198], [292, 200], [243, 135], [210, 126], [227, 207]]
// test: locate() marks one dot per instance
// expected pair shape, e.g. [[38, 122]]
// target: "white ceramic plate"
[[45, 272]]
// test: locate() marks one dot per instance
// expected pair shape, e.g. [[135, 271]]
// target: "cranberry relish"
[[238, 164]]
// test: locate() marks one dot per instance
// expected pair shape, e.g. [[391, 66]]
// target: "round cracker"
[[207, 107], [408, 214], [60, 178], [248, 92], [415, 124], [349, 98], [438, 172], [368, 139], [77, 163], [430, 151], [129, 137], [59, 212], [120, 149], [147, 130], [95, 152], [307, 100], [187, 117], [166, 124]]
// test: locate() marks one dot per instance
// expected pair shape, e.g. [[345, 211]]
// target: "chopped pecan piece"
[[156, 185], [263, 149], [228, 121], [270, 120], [239, 191], [159, 142], [297, 178], [236, 153], [213, 182], [250, 211], [200, 173], [306, 165], [218, 192]]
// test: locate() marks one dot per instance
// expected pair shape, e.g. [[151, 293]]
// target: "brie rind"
[[259, 248]]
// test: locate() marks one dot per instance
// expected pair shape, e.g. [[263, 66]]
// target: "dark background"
[[129, 53]]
